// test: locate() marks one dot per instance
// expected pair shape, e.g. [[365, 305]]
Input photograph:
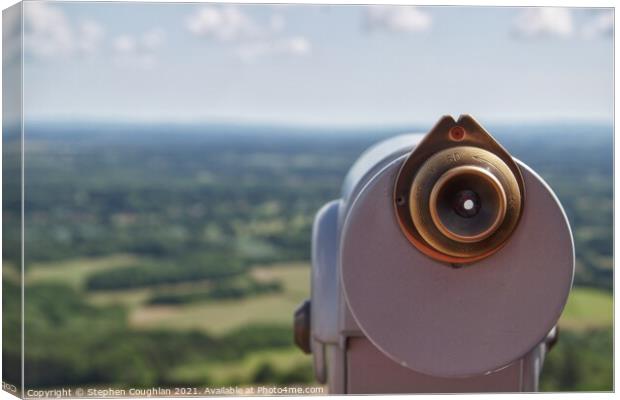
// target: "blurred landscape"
[[171, 255]]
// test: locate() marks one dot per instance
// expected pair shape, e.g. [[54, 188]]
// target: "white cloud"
[[296, 45], [277, 23], [90, 35], [563, 22], [125, 44], [544, 21], [250, 38], [599, 25], [138, 51], [153, 39], [397, 19], [48, 32], [11, 34], [222, 23]]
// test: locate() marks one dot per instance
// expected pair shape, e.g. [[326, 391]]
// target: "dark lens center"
[[466, 203]]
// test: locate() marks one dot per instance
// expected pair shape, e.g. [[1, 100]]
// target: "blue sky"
[[324, 65]]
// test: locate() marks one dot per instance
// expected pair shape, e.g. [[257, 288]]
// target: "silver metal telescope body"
[[391, 312]]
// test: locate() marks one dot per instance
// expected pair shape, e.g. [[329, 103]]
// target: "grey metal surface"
[[325, 278], [532, 367], [325, 286], [375, 159], [451, 322], [371, 372], [336, 369]]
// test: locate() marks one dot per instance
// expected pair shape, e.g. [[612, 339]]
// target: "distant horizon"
[[306, 124], [235, 130]]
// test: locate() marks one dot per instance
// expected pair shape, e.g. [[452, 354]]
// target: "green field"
[[242, 370], [587, 309], [75, 272], [582, 359], [179, 260], [216, 318], [213, 318]]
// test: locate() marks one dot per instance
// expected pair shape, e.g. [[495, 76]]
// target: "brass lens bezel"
[[445, 179], [440, 150], [425, 181]]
